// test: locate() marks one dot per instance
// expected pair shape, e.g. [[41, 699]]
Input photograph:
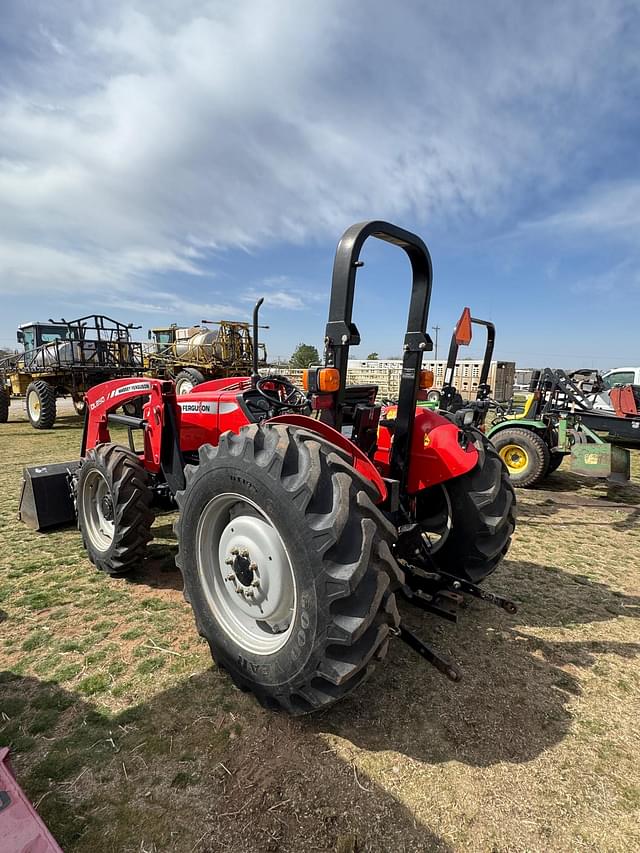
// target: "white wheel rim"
[[184, 386], [246, 574], [98, 510], [33, 406]]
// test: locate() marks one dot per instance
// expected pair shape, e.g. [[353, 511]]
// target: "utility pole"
[[436, 329]]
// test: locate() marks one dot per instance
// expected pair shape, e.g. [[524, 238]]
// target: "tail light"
[[426, 379], [323, 379]]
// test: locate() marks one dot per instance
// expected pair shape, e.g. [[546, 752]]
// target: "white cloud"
[[279, 299], [281, 291], [606, 208], [140, 137]]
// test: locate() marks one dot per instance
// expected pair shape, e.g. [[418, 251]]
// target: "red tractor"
[[303, 512]]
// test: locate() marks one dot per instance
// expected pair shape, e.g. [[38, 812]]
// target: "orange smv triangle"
[[463, 329]]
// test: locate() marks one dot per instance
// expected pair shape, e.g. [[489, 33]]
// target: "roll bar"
[[483, 388], [341, 333]]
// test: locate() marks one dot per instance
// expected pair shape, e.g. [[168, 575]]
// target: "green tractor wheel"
[[525, 453]]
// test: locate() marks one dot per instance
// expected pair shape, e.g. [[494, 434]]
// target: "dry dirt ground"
[[127, 738]]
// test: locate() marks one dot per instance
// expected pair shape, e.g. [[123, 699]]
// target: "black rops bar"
[[483, 387], [341, 332]]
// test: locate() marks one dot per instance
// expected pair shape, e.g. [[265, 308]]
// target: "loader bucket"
[[46, 499]]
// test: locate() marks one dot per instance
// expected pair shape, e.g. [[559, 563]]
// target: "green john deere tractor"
[[567, 415]]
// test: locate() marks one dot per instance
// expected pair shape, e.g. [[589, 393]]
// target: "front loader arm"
[[103, 400]]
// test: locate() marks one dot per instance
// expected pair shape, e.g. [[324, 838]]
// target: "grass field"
[[127, 738]]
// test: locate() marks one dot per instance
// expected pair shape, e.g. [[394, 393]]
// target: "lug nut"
[[255, 583], [244, 552], [229, 561], [253, 566], [230, 577], [235, 552]]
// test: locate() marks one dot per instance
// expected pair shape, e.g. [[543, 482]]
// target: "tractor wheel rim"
[[98, 510], [246, 573], [33, 405], [185, 386], [514, 457], [436, 526]]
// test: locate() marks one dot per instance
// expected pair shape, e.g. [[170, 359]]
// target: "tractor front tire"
[[40, 401], [113, 498], [287, 565], [476, 513], [5, 402], [134, 408], [525, 453], [187, 380]]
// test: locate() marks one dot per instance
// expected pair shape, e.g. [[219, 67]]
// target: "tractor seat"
[[354, 395]]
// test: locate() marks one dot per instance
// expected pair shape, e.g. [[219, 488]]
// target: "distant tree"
[[304, 355], [373, 356]]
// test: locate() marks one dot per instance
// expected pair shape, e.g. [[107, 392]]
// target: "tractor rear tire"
[[478, 513], [40, 401], [5, 402], [113, 498], [525, 453], [187, 380], [306, 628]]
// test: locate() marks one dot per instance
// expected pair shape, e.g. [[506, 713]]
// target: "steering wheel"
[[281, 393]]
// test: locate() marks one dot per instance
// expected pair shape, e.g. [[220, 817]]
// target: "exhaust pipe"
[[255, 375]]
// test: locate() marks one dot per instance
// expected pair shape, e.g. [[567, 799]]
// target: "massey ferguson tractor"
[[303, 512]]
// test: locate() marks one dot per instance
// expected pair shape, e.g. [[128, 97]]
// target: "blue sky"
[[170, 162]]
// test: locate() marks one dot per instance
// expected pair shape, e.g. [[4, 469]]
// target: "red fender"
[[436, 451], [361, 461]]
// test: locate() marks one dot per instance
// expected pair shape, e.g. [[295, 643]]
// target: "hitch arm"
[[460, 585], [441, 664]]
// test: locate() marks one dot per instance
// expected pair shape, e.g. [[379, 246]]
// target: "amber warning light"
[[426, 379], [323, 379]]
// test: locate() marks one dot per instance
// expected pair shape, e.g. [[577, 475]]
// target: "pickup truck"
[[622, 376]]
